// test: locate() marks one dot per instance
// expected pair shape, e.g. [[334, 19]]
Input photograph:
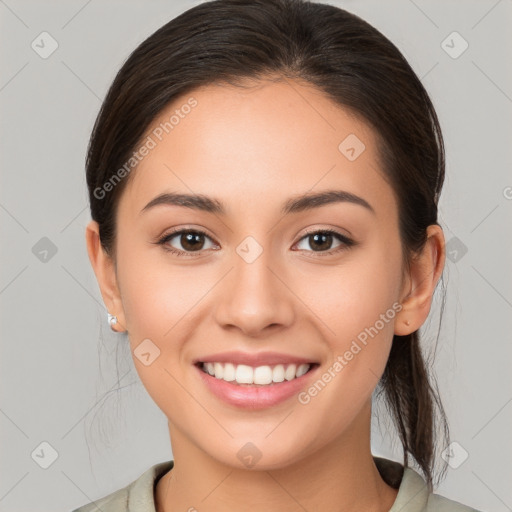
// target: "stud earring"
[[407, 322], [112, 320]]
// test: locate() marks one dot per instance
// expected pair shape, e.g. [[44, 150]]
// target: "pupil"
[[188, 241], [323, 237]]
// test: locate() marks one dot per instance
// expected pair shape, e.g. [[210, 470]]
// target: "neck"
[[342, 477]]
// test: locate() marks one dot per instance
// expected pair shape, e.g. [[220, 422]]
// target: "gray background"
[[61, 365]]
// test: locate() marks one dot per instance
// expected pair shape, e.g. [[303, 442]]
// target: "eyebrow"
[[295, 204]]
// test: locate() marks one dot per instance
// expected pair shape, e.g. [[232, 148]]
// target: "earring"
[[112, 320], [407, 322]]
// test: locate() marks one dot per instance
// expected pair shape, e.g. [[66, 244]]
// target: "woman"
[[263, 180]]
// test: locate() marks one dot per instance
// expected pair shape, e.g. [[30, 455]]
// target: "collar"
[[412, 489]]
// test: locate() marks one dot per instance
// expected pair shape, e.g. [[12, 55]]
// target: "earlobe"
[[426, 269], [104, 270]]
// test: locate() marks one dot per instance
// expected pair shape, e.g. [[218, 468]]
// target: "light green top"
[[413, 495]]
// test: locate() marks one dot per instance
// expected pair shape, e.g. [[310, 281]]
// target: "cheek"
[[161, 302], [156, 294], [353, 296], [359, 312], [355, 305], [157, 299]]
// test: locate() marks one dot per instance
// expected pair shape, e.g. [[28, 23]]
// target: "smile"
[[261, 375], [255, 387]]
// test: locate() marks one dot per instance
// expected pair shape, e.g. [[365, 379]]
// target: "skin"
[[253, 149]]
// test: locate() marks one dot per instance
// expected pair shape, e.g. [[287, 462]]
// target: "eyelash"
[[347, 243]]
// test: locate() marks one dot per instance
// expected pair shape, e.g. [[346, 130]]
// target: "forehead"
[[268, 139]]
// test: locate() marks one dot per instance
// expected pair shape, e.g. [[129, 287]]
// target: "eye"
[[193, 241], [190, 240], [321, 241]]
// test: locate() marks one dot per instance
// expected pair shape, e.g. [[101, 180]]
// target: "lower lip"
[[255, 397]]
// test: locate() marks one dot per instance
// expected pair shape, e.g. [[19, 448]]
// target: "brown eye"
[[321, 241], [191, 241], [185, 242]]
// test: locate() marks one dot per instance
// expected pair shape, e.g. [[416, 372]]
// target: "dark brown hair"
[[352, 63]]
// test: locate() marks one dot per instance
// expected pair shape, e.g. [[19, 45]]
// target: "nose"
[[254, 297]]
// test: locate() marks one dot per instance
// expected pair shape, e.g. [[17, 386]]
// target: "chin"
[[258, 455]]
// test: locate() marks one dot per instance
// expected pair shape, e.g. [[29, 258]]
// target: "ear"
[[105, 271], [418, 290]]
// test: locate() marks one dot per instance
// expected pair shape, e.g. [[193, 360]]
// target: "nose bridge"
[[253, 297]]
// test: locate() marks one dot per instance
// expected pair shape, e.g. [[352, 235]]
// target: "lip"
[[254, 359], [246, 396]]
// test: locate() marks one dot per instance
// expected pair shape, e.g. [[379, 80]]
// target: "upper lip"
[[254, 359]]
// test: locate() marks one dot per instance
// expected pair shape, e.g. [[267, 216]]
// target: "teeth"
[[278, 373], [290, 372], [263, 375], [244, 374], [229, 372], [260, 375], [219, 370], [302, 369]]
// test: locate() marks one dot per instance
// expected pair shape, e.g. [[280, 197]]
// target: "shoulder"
[[138, 495], [441, 504], [413, 494], [114, 502], [415, 497]]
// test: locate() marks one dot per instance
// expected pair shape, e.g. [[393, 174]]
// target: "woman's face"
[[265, 279]]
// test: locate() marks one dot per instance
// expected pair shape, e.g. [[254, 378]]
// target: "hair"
[[353, 64]]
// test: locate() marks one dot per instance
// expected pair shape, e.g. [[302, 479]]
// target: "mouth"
[[255, 376]]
